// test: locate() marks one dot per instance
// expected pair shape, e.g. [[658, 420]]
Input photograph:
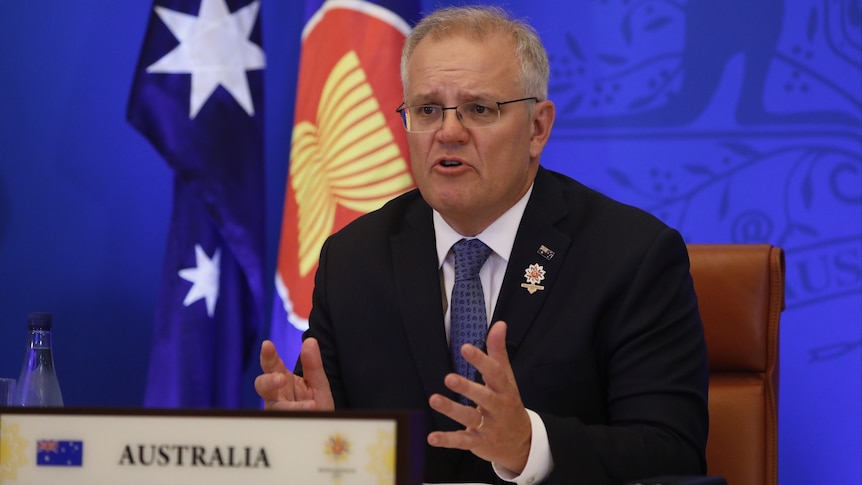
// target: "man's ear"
[[543, 120]]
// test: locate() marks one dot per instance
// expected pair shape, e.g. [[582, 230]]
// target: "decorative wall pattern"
[[734, 121]]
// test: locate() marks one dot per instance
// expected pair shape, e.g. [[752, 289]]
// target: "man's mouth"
[[450, 163]]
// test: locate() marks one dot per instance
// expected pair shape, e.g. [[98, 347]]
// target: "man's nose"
[[451, 126]]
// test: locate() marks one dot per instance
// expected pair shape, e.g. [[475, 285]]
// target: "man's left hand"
[[498, 429]]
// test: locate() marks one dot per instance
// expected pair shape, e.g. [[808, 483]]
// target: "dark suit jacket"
[[610, 354]]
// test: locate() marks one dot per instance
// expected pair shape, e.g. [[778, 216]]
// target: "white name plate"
[[93, 447]]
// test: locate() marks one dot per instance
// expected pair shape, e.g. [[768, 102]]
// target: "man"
[[595, 369]]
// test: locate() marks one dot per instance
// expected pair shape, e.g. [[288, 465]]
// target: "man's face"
[[472, 176]]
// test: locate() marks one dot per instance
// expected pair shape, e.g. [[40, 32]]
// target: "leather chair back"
[[740, 291]]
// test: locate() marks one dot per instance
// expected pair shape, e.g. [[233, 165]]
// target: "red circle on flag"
[[340, 34]]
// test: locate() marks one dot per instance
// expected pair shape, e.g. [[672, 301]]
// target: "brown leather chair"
[[740, 291]]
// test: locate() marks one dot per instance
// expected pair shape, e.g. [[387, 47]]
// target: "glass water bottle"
[[38, 385]]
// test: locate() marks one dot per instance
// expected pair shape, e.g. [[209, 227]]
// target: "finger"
[[494, 366], [472, 390], [269, 384], [274, 378], [467, 416], [496, 342], [269, 358], [314, 374], [312, 362], [272, 388], [496, 349]]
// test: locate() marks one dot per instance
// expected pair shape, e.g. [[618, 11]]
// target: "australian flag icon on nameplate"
[[59, 453]]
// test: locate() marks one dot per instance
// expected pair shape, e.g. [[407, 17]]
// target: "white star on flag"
[[216, 50], [204, 278]]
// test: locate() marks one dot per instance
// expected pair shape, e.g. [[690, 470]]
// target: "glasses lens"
[[425, 117], [429, 117], [478, 114]]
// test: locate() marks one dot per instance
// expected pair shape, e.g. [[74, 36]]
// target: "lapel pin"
[[545, 252], [534, 274]]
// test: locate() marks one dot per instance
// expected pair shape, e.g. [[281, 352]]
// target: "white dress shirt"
[[500, 237]]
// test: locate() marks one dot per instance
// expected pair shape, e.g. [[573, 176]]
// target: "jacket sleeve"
[[656, 378]]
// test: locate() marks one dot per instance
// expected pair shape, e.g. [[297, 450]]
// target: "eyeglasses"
[[474, 114]]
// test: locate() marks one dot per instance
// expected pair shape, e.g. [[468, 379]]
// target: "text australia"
[[194, 455]]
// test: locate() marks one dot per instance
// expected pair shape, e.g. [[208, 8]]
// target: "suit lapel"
[[516, 305], [419, 296], [418, 289]]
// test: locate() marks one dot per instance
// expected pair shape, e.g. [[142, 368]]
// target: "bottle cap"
[[39, 321]]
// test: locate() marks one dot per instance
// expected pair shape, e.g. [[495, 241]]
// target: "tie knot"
[[470, 255]]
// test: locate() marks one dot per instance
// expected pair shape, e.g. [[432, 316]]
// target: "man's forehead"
[[433, 54], [460, 64], [491, 36]]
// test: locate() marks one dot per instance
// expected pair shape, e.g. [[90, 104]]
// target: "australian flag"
[[59, 453], [348, 148], [197, 97]]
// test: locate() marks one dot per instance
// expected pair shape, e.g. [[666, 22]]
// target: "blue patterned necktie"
[[468, 323]]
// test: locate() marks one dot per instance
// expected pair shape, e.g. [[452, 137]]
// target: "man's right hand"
[[284, 390]]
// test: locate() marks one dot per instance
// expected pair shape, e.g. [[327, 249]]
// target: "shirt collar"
[[499, 236]]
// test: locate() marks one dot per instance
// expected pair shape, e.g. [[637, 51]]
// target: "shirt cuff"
[[540, 463]]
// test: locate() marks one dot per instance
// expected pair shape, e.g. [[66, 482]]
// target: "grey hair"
[[481, 21]]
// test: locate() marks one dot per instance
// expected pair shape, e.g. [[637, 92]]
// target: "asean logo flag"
[[348, 148]]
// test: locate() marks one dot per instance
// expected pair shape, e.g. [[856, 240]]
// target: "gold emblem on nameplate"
[[534, 274]]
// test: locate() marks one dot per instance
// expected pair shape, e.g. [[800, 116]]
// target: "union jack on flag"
[[47, 446]]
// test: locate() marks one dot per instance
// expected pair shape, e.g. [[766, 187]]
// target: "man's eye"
[[428, 110], [477, 109]]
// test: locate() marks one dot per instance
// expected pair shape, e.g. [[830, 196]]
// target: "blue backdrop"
[[732, 120]]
